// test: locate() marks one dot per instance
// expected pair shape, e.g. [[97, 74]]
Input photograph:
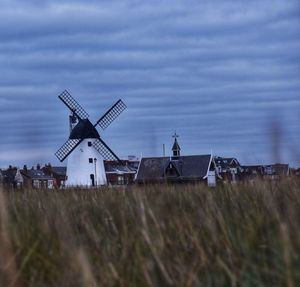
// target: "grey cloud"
[[216, 72]]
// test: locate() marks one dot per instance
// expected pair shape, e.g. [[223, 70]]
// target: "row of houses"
[[50, 176], [175, 169], [183, 169], [204, 168]]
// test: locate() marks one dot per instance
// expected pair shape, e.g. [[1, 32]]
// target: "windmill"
[[85, 149]]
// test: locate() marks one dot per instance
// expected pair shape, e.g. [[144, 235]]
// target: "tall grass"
[[234, 235]]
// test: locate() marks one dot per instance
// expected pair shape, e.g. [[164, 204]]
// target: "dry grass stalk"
[[9, 275]]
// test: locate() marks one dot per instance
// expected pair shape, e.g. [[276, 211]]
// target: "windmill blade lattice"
[[67, 148], [111, 114], [104, 150], [71, 103]]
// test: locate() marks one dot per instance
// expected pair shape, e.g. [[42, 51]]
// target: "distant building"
[[8, 177], [117, 173], [35, 178], [271, 171], [228, 168], [58, 173], [120, 173], [179, 169], [14, 177]]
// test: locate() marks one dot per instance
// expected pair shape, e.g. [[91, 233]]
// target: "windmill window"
[[89, 143], [90, 160]]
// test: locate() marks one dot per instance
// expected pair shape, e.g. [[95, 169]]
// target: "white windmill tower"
[[84, 148]]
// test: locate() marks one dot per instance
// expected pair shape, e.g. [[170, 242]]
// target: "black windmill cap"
[[84, 130]]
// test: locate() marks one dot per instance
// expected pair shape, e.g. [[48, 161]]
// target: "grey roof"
[[84, 130], [36, 174], [152, 168], [225, 162], [59, 170], [116, 167], [194, 166], [188, 167]]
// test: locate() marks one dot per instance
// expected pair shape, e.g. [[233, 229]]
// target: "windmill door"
[[92, 179]]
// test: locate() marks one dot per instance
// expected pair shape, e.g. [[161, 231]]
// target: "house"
[[271, 171], [276, 171], [194, 168], [177, 169], [34, 178], [228, 168], [120, 173], [59, 173], [252, 172], [8, 177]]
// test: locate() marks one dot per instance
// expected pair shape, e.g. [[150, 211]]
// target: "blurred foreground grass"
[[240, 235]]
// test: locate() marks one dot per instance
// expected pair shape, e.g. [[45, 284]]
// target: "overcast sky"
[[224, 74]]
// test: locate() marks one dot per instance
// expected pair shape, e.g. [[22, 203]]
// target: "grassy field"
[[239, 235]]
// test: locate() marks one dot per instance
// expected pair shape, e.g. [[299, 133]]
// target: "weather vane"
[[175, 135]]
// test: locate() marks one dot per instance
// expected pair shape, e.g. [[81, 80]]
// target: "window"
[[90, 160], [50, 183], [120, 179], [89, 143], [36, 183]]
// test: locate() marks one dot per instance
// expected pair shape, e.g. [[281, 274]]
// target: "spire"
[[176, 147]]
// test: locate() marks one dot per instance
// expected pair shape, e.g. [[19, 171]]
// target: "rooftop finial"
[[175, 135]]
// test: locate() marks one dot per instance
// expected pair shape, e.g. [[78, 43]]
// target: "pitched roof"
[[225, 162], [59, 170], [188, 167], [194, 166], [116, 167], [152, 168], [36, 174]]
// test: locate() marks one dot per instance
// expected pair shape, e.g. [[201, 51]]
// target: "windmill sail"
[[71, 103], [67, 148], [104, 150], [111, 114]]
